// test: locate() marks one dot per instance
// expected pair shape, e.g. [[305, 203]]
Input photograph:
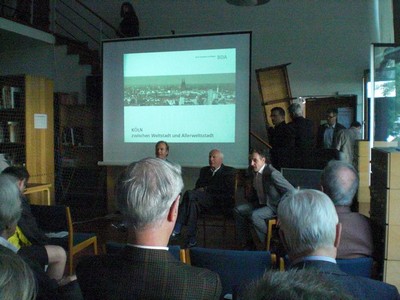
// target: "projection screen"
[[192, 91]]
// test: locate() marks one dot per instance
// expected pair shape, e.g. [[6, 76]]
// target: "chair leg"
[[71, 262]]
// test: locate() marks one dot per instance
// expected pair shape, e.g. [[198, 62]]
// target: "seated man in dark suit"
[[339, 181], [214, 189], [310, 231], [148, 195]]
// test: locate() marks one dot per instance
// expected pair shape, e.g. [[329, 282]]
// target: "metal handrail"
[[69, 18]]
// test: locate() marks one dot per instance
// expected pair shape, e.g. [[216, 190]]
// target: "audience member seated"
[[339, 181], [293, 285], [214, 189], [29, 239], [10, 212], [16, 278], [267, 187], [148, 195], [310, 231]]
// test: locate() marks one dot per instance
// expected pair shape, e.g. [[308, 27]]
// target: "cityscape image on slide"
[[204, 89]]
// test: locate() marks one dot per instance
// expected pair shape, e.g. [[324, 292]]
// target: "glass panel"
[[385, 97]]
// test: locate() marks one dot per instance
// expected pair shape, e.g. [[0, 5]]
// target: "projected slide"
[[180, 96]]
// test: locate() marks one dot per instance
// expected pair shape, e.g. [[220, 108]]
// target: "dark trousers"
[[193, 204]]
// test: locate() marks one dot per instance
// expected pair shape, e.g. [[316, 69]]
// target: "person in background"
[[129, 26], [345, 142], [148, 194], [214, 189], [303, 137], [267, 187], [16, 278], [28, 238], [310, 231], [328, 131], [339, 180], [162, 150], [281, 139]]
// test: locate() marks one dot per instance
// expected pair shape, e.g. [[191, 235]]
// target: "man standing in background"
[[345, 141], [328, 131]]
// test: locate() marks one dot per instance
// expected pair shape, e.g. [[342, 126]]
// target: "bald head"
[[215, 158], [339, 181]]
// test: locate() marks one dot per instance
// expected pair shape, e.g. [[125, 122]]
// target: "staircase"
[[86, 55]]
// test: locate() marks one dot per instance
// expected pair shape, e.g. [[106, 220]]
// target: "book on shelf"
[[11, 97], [72, 136]]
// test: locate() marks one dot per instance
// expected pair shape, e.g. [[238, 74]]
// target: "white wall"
[[49, 61], [326, 41]]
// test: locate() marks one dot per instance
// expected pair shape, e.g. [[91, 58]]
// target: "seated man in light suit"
[[310, 231], [148, 195], [339, 181], [214, 190], [267, 187]]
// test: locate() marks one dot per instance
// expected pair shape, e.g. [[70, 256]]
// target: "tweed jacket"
[[137, 273]]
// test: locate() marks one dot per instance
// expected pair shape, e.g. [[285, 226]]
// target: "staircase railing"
[[68, 18], [75, 20]]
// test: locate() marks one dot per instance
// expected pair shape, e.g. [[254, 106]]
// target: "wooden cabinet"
[[385, 210], [27, 127]]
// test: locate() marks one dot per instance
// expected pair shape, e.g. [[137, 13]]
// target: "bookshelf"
[[80, 181], [24, 101]]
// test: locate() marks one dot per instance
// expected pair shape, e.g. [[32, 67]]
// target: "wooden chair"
[[112, 247], [236, 268], [56, 219], [220, 217], [270, 223]]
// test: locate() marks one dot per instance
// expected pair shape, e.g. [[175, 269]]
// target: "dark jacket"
[[358, 287]]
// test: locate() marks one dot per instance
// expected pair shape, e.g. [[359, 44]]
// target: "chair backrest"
[[235, 268], [303, 178], [361, 266], [115, 247], [51, 218]]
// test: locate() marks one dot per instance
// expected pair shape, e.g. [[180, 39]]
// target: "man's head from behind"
[[295, 110], [308, 223], [20, 173], [146, 191], [10, 205], [339, 180]]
